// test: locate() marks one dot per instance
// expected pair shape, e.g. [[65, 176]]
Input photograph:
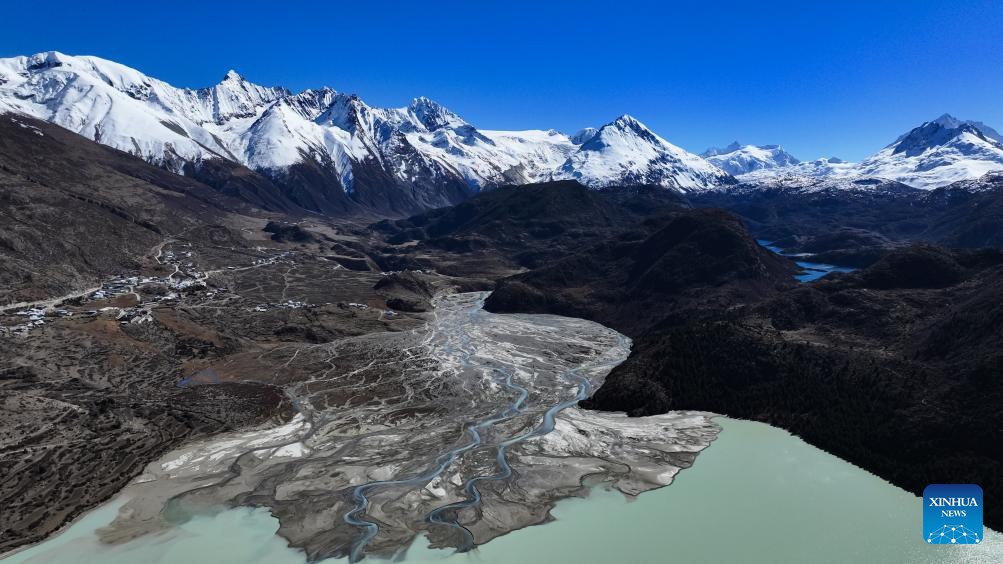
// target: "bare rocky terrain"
[[100, 385], [137, 312]]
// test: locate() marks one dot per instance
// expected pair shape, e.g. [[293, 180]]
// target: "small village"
[[128, 299], [131, 299]]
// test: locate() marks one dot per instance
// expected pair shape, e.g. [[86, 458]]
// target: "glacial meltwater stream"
[[490, 440], [809, 270]]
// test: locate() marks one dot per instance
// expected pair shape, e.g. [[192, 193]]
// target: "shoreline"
[[67, 525]]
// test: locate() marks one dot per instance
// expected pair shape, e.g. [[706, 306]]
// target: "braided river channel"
[[462, 442]]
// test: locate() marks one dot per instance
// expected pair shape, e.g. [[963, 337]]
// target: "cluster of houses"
[[288, 304], [184, 280], [31, 318], [269, 260]]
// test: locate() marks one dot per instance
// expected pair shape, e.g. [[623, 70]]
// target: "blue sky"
[[844, 78]]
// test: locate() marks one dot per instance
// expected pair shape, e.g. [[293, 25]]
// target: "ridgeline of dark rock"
[[407, 291], [288, 233], [245, 185], [967, 214], [515, 228], [919, 266], [790, 216], [698, 261], [969, 219]]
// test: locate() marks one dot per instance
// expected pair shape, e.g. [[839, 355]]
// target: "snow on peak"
[[938, 153], [825, 167], [948, 121], [934, 154], [46, 60], [583, 135], [625, 152], [629, 126], [269, 129], [714, 151], [738, 159], [433, 115]]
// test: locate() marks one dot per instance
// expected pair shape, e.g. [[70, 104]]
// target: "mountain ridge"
[[323, 145], [331, 153], [932, 155]]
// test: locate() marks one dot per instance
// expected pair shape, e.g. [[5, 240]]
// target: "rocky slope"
[[74, 212], [125, 290], [691, 262]]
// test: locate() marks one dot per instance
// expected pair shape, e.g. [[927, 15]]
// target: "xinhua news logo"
[[952, 514]]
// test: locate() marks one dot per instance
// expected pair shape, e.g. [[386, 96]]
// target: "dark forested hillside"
[[895, 368], [694, 263], [515, 228]]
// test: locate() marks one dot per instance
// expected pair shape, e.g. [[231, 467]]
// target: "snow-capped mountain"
[[812, 184], [935, 154], [125, 109], [627, 152], [990, 181], [825, 167], [736, 159], [320, 142], [938, 153], [771, 164]]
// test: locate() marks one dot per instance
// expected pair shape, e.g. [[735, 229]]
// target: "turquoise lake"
[[756, 495]]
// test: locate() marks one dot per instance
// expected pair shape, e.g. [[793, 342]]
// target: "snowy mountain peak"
[[933, 134], [584, 135], [714, 151], [945, 127], [624, 129], [938, 153], [736, 159], [625, 152], [627, 122], [948, 121], [934, 154], [46, 60], [232, 75], [434, 115]]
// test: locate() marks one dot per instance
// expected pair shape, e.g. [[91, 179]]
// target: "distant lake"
[[809, 270], [757, 495]]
